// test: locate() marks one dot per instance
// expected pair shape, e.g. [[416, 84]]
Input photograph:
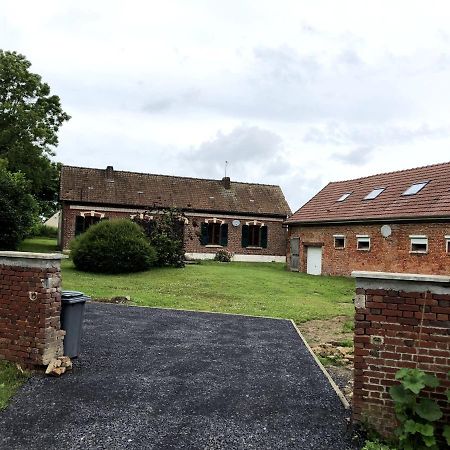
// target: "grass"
[[260, 289], [38, 245], [10, 380]]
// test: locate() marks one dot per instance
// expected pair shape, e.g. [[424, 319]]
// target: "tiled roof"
[[119, 188], [431, 202]]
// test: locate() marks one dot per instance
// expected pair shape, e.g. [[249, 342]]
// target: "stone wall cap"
[[31, 255], [402, 276]]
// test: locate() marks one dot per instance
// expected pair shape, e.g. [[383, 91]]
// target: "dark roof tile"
[[81, 184]]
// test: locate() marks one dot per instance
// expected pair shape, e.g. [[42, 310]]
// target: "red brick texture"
[[30, 303], [391, 254], [398, 329], [276, 242]]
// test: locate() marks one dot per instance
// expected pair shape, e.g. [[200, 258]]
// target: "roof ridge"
[[172, 176], [388, 173]]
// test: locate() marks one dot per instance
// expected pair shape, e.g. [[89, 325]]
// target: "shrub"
[[223, 256], [41, 230], [116, 246], [165, 232], [18, 209]]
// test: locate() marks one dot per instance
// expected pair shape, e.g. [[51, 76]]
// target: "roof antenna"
[[226, 165]]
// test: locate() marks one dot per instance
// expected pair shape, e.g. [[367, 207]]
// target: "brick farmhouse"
[[243, 218], [391, 222]]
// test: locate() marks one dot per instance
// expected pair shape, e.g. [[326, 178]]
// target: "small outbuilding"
[[391, 222], [243, 218]]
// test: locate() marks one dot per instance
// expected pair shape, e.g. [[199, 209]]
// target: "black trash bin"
[[72, 312]]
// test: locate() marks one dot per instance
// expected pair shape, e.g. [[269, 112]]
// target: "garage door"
[[314, 260]]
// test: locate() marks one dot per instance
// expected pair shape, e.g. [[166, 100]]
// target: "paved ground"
[[159, 379]]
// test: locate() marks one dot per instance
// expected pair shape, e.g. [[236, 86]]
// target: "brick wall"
[[276, 243], [30, 303], [400, 321], [390, 254]]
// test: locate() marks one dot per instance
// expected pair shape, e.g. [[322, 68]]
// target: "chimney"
[[226, 182], [109, 173]]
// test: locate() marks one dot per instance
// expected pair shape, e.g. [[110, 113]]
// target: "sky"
[[294, 93]]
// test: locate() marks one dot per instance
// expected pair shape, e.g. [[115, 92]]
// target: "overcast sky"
[[295, 93]]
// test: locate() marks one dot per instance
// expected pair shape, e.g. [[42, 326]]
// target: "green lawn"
[[39, 245], [10, 380], [261, 289]]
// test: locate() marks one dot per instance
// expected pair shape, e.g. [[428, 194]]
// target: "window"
[[447, 244], [415, 188], [82, 223], [344, 197], [419, 244], [339, 241], [214, 233], [374, 194], [363, 242], [254, 235]]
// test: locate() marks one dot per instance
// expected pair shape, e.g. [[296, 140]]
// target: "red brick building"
[[243, 218], [391, 222]]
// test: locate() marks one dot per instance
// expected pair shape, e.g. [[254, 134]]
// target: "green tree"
[[30, 118], [18, 208]]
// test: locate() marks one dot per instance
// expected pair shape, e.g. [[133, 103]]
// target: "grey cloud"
[[341, 134], [358, 156], [246, 148]]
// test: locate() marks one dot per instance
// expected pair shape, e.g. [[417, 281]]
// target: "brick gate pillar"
[[401, 320], [30, 306]]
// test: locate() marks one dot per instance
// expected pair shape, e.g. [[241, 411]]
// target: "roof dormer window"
[[343, 197], [374, 194], [415, 188]]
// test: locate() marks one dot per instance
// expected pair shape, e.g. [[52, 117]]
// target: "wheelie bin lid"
[[70, 297]]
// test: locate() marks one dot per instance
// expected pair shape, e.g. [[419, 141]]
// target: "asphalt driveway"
[[161, 379]]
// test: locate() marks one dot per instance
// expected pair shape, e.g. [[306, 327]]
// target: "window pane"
[[415, 188], [363, 243], [214, 233], [374, 194], [254, 236], [339, 242], [343, 197]]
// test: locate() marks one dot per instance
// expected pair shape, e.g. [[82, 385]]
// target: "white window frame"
[[418, 239], [339, 236], [447, 244], [363, 238]]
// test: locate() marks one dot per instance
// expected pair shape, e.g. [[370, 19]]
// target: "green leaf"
[[428, 409], [400, 395], [430, 380], [430, 441], [400, 374], [446, 433], [412, 379]]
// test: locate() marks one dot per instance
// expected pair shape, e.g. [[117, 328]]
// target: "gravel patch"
[[161, 379]]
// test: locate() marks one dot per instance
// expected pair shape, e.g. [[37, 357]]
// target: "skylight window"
[[415, 188], [344, 197], [374, 194]]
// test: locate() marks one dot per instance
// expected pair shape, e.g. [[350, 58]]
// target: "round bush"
[[116, 246], [223, 256]]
